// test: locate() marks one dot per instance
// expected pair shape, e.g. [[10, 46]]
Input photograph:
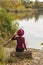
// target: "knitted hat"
[[20, 32]]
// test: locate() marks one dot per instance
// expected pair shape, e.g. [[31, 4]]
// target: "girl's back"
[[20, 42]]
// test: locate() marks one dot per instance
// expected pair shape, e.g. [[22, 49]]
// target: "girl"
[[21, 46]]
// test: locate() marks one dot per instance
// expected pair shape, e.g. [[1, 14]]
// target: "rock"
[[25, 54]]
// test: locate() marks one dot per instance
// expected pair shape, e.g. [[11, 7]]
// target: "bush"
[[2, 56], [41, 43], [6, 28]]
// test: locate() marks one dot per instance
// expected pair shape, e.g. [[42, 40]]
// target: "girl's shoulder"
[[23, 38]]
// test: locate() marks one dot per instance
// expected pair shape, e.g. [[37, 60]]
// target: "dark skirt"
[[19, 50]]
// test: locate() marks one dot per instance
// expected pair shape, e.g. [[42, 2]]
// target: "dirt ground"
[[37, 56]]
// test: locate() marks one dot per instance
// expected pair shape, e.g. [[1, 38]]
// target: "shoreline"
[[29, 49], [37, 56]]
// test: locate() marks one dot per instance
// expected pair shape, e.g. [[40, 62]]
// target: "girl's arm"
[[7, 42], [14, 37], [25, 44]]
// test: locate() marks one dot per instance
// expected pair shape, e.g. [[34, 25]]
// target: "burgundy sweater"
[[20, 42]]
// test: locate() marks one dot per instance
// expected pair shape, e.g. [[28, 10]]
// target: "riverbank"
[[37, 56]]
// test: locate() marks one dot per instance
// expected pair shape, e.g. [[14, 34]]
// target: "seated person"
[[21, 46]]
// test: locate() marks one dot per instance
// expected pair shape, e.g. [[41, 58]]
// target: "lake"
[[32, 24], [33, 28]]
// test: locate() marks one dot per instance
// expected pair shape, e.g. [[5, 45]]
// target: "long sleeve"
[[14, 37], [24, 44]]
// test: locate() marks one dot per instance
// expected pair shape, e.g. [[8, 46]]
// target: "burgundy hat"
[[20, 32]]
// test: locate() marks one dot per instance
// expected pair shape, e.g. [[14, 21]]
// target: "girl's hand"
[[26, 49]]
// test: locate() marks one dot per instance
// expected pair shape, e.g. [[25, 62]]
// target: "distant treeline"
[[20, 5]]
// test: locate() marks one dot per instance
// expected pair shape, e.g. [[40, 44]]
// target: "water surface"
[[33, 31]]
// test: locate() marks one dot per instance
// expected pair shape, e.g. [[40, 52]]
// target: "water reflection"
[[28, 15], [33, 31]]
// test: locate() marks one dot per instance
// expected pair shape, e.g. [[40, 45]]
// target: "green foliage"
[[1, 54], [41, 43], [2, 63], [6, 28], [5, 19], [13, 5]]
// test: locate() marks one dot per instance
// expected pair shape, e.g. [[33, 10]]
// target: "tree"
[[6, 29], [36, 3]]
